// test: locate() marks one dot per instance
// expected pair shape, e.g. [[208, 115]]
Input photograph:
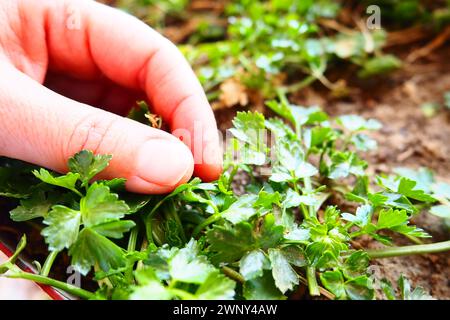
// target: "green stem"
[[409, 250], [205, 223], [232, 274], [305, 211], [132, 240], [299, 85], [414, 239], [312, 281], [308, 188], [148, 229], [48, 263], [171, 213], [322, 290], [84, 294]]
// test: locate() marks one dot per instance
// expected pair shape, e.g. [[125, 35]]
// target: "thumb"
[[45, 128]]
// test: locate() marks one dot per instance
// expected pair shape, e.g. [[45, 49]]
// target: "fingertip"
[[208, 172], [161, 165]]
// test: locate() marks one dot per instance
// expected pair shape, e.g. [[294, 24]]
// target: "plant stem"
[[48, 263], [322, 290], [308, 188], [205, 223], [414, 239], [132, 240], [409, 250], [234, 275], [84, 294], [170, 212], [148, 229], [312, 281]]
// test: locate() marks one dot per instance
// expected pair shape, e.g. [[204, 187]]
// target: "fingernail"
[[164, 162]]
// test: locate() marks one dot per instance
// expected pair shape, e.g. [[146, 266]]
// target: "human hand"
[[59, 59]]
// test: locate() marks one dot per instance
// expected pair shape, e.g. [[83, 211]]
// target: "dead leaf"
[[233, 93]]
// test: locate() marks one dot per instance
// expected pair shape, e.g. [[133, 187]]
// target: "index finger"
[[88, 40]]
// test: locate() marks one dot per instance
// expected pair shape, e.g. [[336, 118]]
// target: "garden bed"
[[410, 103]]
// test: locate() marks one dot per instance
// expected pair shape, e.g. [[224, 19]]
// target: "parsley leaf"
[[88, 165]]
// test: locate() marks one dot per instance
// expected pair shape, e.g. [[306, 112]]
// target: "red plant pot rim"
[[50, 291]]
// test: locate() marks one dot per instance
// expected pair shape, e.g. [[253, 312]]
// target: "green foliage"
[[204, 241], [405, 290], [267, 41]]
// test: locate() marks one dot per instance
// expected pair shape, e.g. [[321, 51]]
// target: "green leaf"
[[355, 123], [362, 217], [91, 248], [298, 234], [333, 281], [320, 136], [114, 229], [187, 265], [391, 218], [266, 200], [262, 288], [153, 290], [294, 255], [230, 243], [37, 206], [344, 164], [379, 65], [135, 201], [405, 187], [359, 288], [297, 115], [247, 126], [88, 165], [67, 181], [216, 287], [397, 220], [282, 109], [442, 211], [280, 129], [100, 205], [285, 277], [293, 199], [63, 227], [406, 294], [387, 288], [441, 190], [241, 210], [150, 287], [356, 264], [252, 264], [363, 142], [290, 155], [116, 184], [423, 177], [307, 115]]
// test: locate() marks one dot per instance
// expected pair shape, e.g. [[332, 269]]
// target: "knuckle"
[[92, 133]]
